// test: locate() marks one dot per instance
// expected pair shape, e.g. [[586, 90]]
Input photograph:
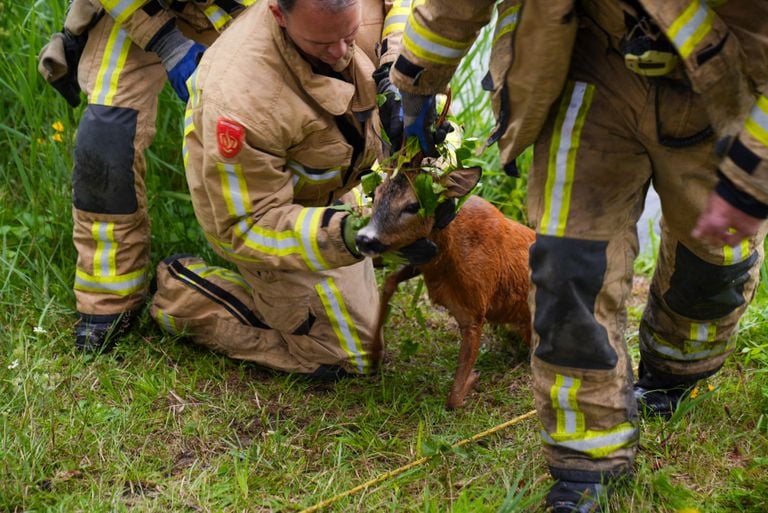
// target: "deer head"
[[403, 210]]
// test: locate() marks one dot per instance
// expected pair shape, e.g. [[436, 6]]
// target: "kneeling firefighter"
[[617, 96], [121, 54]]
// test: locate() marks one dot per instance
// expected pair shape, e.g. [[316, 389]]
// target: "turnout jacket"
[[143, 19], [271, 145], [723, 47]]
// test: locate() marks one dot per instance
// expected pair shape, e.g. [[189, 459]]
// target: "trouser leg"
[[289, 321], [586, 193], [111, 223], [699, 292]]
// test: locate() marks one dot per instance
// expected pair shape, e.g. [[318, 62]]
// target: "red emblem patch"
[[229, 135]]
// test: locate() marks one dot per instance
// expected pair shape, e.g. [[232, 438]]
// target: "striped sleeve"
[[746, 164], [140, 26], [436, 36]]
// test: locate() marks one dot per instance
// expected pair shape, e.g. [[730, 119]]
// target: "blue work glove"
[[419, 115], [179, 55], [391, 111]]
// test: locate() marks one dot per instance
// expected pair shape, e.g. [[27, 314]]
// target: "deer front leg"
[[387, 291], [466, 376]]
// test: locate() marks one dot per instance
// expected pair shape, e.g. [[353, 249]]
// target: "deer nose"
[[369, 245]]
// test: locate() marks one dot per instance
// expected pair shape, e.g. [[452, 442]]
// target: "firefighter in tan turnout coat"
[[126, 51], [280, 126], [615, 96]]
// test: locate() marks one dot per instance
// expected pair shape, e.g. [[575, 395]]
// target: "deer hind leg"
[[388, 289], [466, 375]]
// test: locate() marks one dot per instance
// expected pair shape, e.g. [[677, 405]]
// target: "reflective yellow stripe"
[[396, 17], [596, 444], [217, 16], [167, 322], [319, 176], [430, 46], [703, 331], [122, 285], [342, 323], [563, 395], [694, 349], [246, 3], [234, 188], [507, 22], [112, 63], [691, 27], [204, 271], [562, 157], [121, 9], [307, 226], [757, 122], [735, 255], [105, 255]]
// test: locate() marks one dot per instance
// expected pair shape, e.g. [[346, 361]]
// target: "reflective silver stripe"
[[106, 250], [308, 233], [565, 405], [117, 49], [120, 10], [595, 442], [447, 52], [266, 243], [325, 176], [118, 285], [342, 322]]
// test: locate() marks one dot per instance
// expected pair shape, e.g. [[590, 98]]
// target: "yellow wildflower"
[[710, 387], [57, 138], [40, 140], [688, 510], [694, 394], [58, 126]]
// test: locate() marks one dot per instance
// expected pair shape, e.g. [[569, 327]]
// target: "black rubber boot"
[[99, 333], [575, 497], [658, 396]]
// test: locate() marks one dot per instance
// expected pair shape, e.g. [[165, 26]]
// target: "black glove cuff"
[[740, 199]]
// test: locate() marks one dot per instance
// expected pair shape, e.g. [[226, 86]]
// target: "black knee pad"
[[568, 274], [703, 291], [102, 179]]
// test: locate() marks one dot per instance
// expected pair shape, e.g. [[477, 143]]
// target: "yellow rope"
[[416, 463]]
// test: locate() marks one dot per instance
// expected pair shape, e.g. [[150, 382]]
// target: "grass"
[[162, 426]]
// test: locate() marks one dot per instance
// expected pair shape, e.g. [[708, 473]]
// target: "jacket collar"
[[332, 95]]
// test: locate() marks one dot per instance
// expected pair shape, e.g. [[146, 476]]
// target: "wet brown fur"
[[480, 274]]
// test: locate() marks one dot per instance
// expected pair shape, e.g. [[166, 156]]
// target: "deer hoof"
[[458, 395]]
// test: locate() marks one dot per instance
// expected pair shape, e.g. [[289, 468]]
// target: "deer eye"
[[412, 208]]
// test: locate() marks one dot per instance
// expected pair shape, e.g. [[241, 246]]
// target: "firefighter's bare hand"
[[722, 223]]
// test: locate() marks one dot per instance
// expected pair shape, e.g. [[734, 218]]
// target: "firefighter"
[[121, 53], [281, 125], [616, 96]]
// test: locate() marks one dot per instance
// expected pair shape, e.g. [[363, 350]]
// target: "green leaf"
[[428, 199], [370, 182]]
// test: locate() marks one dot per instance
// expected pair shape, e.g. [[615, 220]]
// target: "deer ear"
[[460, 182]]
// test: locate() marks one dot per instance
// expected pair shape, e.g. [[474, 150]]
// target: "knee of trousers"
[[568, 275], [703, 291], [103, 178]]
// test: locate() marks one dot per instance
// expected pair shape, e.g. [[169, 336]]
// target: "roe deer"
[[480, 272]]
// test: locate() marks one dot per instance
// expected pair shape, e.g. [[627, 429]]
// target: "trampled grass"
[[162, 426]]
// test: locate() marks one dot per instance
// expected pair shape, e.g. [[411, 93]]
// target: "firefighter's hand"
[[391, 110], [419, 252], [722, 223], [179, 55], [419, 115]]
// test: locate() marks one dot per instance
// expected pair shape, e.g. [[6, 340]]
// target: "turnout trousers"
[[311, 322], [111, 223], [611, 135]]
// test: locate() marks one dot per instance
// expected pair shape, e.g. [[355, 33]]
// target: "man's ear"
[[277, 13]]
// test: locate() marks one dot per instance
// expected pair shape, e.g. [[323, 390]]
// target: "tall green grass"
[[160, 425]]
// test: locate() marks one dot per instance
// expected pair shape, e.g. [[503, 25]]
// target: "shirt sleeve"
[[140, 18]]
